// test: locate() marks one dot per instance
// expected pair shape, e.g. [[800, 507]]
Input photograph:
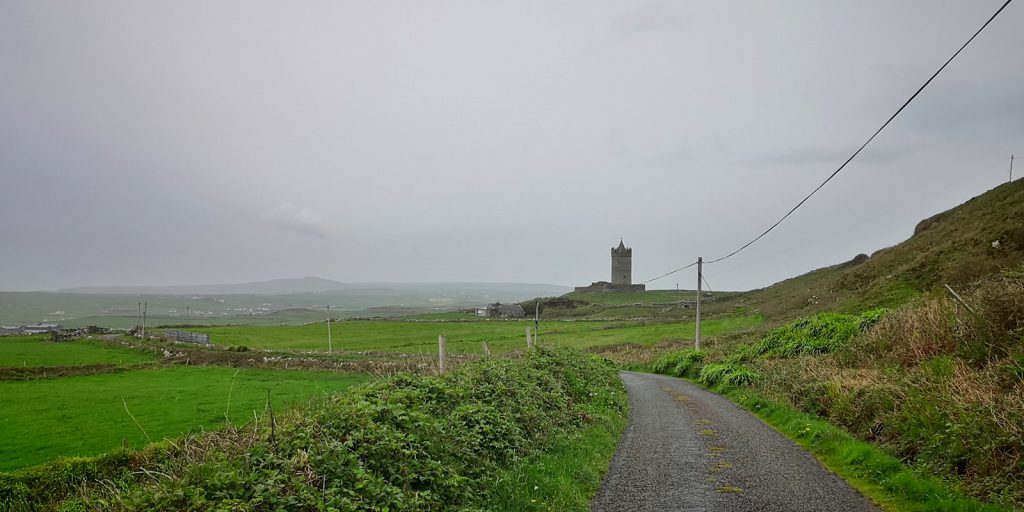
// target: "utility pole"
[[1011, 169], [536, 321], [138, 320], [700, 277], [330, 345], [145, 311]]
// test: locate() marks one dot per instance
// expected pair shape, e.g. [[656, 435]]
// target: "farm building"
[[499, 310], [40, 328]]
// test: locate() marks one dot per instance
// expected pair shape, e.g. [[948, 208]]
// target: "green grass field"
[[38, 351], [77, 416], [501, 335]]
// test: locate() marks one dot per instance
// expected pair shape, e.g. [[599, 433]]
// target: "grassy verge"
[[566, 476], [876, 474]]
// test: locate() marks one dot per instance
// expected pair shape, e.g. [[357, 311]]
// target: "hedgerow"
[[402, 443]]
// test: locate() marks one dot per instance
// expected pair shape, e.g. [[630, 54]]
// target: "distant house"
[[40, 328], [499, 310]]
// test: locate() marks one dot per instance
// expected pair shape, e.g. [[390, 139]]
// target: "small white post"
[[330, 344], [442, 352], [529, 340]]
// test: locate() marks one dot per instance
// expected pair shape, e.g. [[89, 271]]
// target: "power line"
[[669, 273], [855, 153], [861, 148], [702, 278]]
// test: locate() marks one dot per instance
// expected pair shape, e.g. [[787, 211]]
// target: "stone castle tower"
[[622, 274], [622, 265]]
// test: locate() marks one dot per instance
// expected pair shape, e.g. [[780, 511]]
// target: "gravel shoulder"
[[688, 449]]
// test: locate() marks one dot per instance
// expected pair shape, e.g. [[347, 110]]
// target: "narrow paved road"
[[686, 448]]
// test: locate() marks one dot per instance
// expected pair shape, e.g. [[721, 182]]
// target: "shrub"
[[681, 363]]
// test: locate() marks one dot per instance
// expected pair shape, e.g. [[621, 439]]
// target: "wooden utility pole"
[[1011, 169], [330, 345], [536, 321], [700, 277], [442, 351]]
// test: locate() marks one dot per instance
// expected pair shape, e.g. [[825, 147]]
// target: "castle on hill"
[[622, 273]]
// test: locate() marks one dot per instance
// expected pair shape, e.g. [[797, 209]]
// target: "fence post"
[[442, 352], [529, 340]]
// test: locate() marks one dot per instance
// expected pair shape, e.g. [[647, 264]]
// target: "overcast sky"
[[206, 142]]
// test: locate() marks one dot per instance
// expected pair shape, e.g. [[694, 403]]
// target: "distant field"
[[501, 335], [286, 317], [84, 415], [450, 315], [645, 298], [36, 351]]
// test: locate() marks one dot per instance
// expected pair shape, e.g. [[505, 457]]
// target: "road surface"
[[688, 449]]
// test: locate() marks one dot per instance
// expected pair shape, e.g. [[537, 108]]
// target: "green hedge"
[[402, 443]]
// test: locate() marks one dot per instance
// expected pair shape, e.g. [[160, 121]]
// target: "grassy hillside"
[[953, 247]]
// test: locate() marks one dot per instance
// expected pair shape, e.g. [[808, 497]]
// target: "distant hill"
[[319, 285], [954, 247], [277, 302], [272, 287]]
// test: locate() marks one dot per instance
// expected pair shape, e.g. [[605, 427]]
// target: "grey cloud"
[[834, 157], [481, 141], [651, 17], [297, 219]]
